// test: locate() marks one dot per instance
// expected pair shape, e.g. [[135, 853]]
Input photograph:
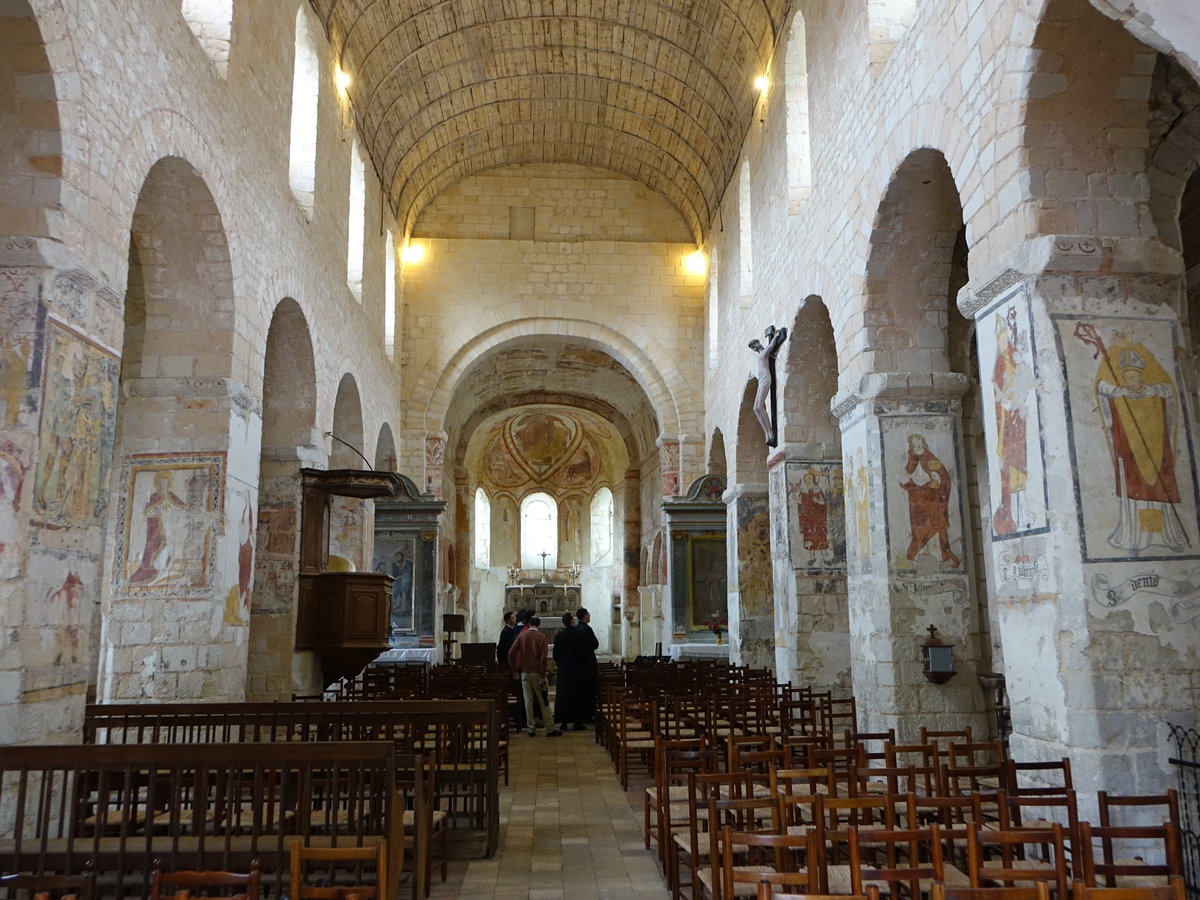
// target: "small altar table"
[[426, 655], [699, 651]]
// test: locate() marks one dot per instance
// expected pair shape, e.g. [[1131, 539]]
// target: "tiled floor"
[[567, 830]]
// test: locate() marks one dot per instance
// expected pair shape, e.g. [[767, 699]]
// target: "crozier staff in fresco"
[[928, 487], [1136, 400], [1012, 381]]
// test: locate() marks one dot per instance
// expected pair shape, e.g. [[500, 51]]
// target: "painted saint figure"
[[765, 373], [1137, 405], [814, 519], [1012, 381], [155, 553], [928, 487], [400, 567]]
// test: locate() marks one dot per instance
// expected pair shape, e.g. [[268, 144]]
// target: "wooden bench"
[[460, 737], [115, 809]]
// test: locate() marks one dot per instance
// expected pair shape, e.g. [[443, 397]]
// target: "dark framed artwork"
[[396, 555], [707, 579]]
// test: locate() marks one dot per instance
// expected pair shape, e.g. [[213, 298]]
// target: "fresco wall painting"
[[816, 519], [167, 522]]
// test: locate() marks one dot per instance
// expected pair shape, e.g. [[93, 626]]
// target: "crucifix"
[[543, 555]]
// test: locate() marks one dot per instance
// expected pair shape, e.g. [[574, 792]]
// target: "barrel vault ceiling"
[[659, 90]]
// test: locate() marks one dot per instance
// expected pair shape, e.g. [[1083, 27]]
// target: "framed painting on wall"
[[396, 555]]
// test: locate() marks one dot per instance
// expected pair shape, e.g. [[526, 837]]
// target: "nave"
[[566, 830]]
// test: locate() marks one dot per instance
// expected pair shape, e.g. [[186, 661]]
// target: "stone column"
[[176, 615], [908, 552], [808, 551], [1093, 531], [751, 613], [60, 333], [631, 511]]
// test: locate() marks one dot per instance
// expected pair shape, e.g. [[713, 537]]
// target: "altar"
[[699, 651], [548, 601]]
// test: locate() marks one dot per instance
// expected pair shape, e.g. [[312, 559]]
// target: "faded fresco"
[[857, 477], [396, 555], [922, 495], [816, 517], [168, 517], [754, 570], [542, 447], [1012, 418], [12, 480], [77, 429], [237, 599], [1127, 421]]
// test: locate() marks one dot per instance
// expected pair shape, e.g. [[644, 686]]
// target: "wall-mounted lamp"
[[412, 253], [761, 83], [696, 263], [938, 658], [342, 78]]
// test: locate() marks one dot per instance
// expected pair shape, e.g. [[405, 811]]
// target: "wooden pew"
[[199, 806], [461, 737]]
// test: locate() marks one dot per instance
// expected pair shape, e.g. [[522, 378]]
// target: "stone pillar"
[[274, 668], [631, 510], [909, 552], [176, 614], [59, 327], [1093, 529], [808, 550], [464, 506], [751, 613]]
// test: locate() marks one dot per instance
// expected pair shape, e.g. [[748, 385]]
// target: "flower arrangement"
[[716, 625]]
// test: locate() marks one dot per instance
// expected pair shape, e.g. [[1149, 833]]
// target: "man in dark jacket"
[[585, 643], [566, 686], [507, 636]]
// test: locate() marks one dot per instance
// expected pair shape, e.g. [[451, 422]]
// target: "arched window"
[[211, 22], [714, 309], [302, 160], [483, 529], [539, 532], [745, 238], [357, 221], [602, 527], [795, 91], [389, 296]]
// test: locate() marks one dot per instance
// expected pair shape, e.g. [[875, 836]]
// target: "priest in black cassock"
[[586, 644], [566, 684]]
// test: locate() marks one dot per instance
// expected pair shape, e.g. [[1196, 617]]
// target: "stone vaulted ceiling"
[[659, 91]]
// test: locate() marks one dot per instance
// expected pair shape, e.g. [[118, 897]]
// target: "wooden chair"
[[744, 815], [637, 729], [180, 885], [942, 739], [768, 861], [1174, 890], [869, 893], [1013, 864], [903, 864], [360, 860], [665, 801], [689, 845], [1129, 872], [44, 887], [1039, 890]]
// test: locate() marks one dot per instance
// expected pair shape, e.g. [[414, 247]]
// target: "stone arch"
[[717, 460], [1084, 125], [288, 442], [164, 134], [31, 152], [1174, 151], [347, 426], [385, 449], [810, 374], [909, 268], [639, 351], [179, 505], [750, 453]]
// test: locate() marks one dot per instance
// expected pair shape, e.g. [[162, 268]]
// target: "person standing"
[[507, 636], [587, 671], [566, 689], [529, 655]]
